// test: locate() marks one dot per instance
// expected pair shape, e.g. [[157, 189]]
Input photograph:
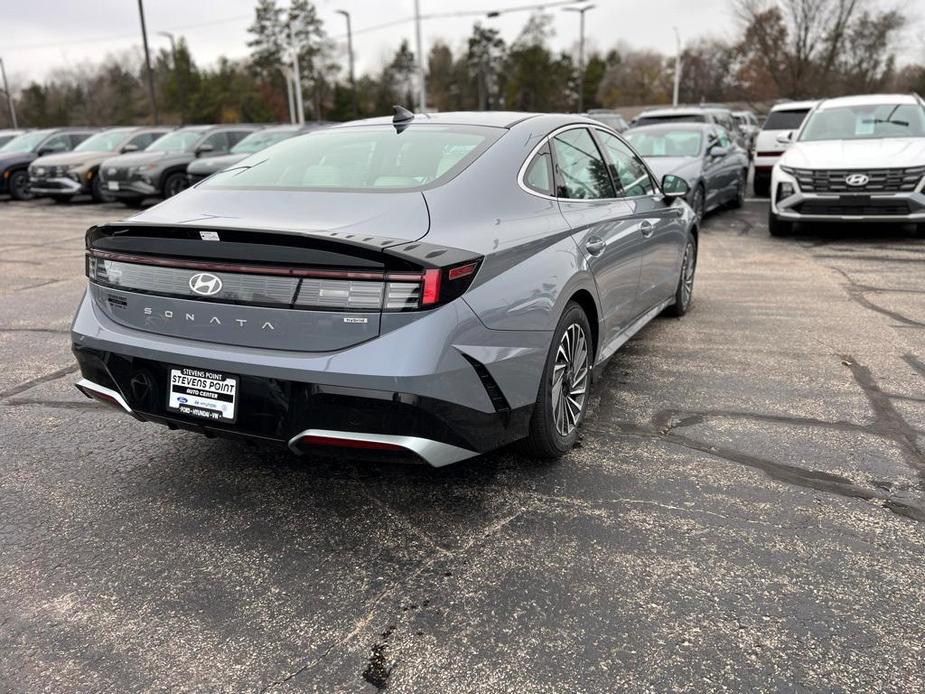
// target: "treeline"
[[786, 49]]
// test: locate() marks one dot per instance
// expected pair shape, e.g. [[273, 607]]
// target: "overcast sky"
[[37, 38]]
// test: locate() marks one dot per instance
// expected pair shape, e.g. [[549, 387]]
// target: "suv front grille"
[[879, 180], [862, 208]]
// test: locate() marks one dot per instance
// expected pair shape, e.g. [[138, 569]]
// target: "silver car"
[[430, 287]]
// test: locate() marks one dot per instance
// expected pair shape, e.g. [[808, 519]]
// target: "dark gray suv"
[[431, 287], [160, 170], [18, 153]]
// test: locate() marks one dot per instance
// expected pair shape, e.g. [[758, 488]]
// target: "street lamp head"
[[343, 12], [582, 10]]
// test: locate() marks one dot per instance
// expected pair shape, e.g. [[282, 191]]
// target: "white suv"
[[772, 140], [856, 159]]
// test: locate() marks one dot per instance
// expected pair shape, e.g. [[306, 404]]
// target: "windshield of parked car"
[[671, 118], [785, 120], [666, 143], [362, 158], [103, 142], [179, 141], [865, 122], [26, 142], [261, 140]]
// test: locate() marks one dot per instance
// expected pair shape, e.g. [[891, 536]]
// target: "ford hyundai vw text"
[[425, 286]]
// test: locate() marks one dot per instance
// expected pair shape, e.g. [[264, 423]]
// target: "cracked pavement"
[[746, 509]]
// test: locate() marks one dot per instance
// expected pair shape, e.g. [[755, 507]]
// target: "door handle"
[[646, 228], [595, 245]]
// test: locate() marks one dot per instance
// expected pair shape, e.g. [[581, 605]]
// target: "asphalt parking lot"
[[746, 509]]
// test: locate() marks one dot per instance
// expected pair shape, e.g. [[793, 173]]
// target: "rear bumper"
[[424, 391]]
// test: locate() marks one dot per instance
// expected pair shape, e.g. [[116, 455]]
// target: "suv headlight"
[[146, 168]]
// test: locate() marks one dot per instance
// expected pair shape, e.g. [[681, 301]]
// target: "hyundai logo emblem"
[[857, 179], [205, 284]]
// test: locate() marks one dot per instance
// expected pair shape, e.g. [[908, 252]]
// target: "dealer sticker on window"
[[202, 393]]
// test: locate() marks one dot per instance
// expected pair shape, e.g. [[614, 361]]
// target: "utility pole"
[[297, 78], [353, 82], [287, 73], [144, 38], [9, 96], [581, 52], [677, 67], [181, 90], [422, 86]]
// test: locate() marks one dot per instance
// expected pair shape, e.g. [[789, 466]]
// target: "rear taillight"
[[297, 287]]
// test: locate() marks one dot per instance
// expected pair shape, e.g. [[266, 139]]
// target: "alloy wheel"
[[570, 379]]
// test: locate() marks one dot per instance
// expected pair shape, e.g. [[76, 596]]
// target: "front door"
[[659, 224], [603, 226]]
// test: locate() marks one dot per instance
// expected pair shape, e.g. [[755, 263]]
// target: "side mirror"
[[785, 138], [674, 187], [203, 149], [129, 148], [46, 150], [717, 151]]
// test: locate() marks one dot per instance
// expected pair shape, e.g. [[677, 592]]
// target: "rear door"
[[604, 227], [657, 225]]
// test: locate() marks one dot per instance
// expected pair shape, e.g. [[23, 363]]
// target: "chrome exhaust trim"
[[434, 453], [106, 395]]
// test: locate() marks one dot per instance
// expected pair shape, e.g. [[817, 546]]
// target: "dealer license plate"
[[202, 393]]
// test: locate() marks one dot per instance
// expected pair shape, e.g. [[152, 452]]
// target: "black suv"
[[18, 153], [160, 170]]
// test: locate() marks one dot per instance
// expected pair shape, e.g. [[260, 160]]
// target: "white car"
[[856, 159], [771, 141]]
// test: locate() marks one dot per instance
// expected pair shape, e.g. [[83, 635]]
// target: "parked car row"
[[129, 164]]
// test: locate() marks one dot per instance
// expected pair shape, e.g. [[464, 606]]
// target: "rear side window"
[[219, 142], [235, 136], [785, 120], [363, 158], [628, 169], [581, 172], [538, 176], [142, 140]]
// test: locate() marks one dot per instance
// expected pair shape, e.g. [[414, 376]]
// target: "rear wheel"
[[698, 201], [19, 185], [739, 198], [778, 227], [560, 403], [174, 183], [684, 293]]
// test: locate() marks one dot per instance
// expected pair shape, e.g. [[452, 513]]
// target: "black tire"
[[134, 203], [551, 436], [97, 192], [173, 184], [698, 201], [739, 199], [763, 185], [684, 293], [61, 199], [778, 227], [19, 185]]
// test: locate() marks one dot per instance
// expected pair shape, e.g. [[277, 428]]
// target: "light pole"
[[144, 39], [581, 52], [287, 73], [353, 82], [181, 92], [422, 86], [677, 67], [9, 96], [297, 78]]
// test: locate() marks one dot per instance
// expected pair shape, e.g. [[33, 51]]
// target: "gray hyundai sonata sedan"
[[428, 287]]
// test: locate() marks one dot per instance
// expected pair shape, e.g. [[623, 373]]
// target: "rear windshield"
[[671, 118], [362, 158], [785, 120]]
